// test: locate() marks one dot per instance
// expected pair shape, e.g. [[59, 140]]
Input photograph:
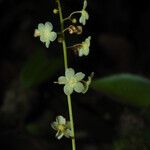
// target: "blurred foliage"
[[126, 88], [38, 69]]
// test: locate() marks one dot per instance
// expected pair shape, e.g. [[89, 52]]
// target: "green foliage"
[[126, 88], [38, 69]]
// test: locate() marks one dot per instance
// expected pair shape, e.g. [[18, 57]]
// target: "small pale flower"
[[84, 14], [84, 48], [72, 81], [62, 127], [87, 83], [45, 33]]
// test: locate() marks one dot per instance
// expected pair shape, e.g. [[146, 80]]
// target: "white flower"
[[62, 127], [84, 48], [72, 81], [84, 14], [45, 32]]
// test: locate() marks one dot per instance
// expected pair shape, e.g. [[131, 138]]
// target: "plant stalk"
[[66, 66]]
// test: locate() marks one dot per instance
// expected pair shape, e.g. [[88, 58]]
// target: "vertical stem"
[[63, 35], [71, 121], [66, 66]]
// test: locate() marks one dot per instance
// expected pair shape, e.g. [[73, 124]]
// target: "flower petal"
[[36, 33], [48, 26], [86, 15], [86, 51], [81, 52], [69, 73], [47, 44], [40, 26], [68, 89], [53, 36], [86, 87], [87, 83], [87, 40], [79, 76], [62, 80], [84, 4], [54, 125], [61, 120], [68, 133], [59, 135], [42, 38], [68, 125], [82, 20], [78, 87]]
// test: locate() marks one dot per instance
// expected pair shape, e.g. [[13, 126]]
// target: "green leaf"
[[126, 88], [38, 69]]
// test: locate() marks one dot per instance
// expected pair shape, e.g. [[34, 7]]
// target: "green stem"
[[71, 121], [66, 66], [76, 45], [62, 29], [69, 17]]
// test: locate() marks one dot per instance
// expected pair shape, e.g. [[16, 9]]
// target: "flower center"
[[61, 127], [72, 82], [83, 13], [47, 34], [85, 45]]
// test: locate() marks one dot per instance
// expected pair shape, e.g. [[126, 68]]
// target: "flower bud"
[[55, 11], [74, 20], [75, 29]]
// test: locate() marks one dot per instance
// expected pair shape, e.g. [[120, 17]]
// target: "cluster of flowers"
[[47, 35], [72, 81]]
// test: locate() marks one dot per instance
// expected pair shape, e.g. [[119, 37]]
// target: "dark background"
[[120, 31]]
